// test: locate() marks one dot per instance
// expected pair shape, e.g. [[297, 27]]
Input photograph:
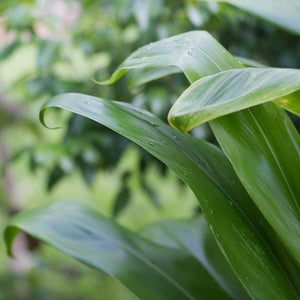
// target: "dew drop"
[[86, 102], [151, 144], [190, 53]]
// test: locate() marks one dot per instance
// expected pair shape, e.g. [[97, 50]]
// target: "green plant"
[[248, 191]]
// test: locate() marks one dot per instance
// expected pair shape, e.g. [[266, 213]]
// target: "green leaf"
[[194, 237], [149, 270], [247, 241], [188, 51], [284, 13], [230, 91]]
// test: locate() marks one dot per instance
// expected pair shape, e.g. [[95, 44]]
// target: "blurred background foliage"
[[49, 47]]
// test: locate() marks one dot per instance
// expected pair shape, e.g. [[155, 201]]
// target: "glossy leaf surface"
[[207, 171], [284, 13], [149, 270], [230, 91]]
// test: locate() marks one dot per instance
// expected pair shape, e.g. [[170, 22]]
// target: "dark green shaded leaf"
[[122, 200]]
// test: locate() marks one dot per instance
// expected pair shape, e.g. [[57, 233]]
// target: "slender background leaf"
[[284, 13]]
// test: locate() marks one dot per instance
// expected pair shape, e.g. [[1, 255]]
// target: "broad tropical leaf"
[[230, 91], [149, 270], [284, 13], [207, 171]]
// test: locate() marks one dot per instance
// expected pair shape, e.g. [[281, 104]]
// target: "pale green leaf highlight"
[[230, 91]]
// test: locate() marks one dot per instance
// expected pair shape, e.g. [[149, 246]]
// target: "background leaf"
[[284, 13]]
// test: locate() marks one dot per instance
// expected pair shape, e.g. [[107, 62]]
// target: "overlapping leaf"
[[284, 13], [223, 200], [233, 90], [149, 270]]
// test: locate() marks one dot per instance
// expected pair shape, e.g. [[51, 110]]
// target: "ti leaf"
[[149, 270]]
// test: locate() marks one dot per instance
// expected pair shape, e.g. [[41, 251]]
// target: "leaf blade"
[[230, 91]]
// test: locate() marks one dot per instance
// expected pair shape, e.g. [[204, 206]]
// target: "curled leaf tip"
[[42, 118]]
